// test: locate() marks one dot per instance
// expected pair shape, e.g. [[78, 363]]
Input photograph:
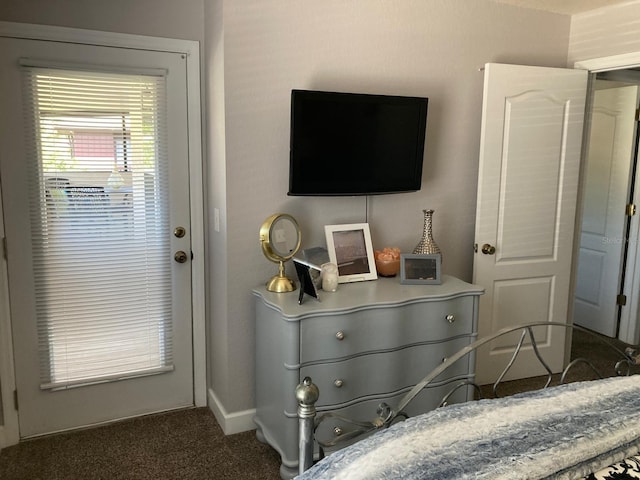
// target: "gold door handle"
[[180, 256], [488, 249]]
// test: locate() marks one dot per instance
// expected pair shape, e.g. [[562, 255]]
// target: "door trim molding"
[[613, 62], [629, 330], [9, 430], [94, 37], [9, 433]]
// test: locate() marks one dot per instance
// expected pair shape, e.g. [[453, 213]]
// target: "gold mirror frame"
[[279, 283]]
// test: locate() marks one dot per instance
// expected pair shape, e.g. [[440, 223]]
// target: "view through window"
[[99, 217]]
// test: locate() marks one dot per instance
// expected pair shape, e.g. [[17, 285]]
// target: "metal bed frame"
[[307, 393]]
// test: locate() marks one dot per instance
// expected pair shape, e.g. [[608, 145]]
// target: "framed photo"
[[416, 269], [350, 249], [309, 278]]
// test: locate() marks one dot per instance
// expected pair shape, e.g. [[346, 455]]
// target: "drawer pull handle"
[[340, 335], [450, 318], [337, 431], [338, 383]]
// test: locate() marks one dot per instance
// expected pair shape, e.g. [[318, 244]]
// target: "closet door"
[[607, 188]]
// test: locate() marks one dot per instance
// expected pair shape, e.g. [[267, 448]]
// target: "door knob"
[[179, 232], [180, 256], [488, 249]]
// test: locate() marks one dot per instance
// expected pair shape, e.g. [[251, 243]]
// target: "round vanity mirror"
[[280, 240]]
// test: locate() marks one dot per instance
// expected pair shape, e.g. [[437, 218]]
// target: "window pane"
[[99, 219]]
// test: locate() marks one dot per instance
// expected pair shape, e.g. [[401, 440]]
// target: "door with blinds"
[[95, 184]]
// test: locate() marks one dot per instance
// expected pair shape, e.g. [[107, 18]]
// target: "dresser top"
[[362, 295]]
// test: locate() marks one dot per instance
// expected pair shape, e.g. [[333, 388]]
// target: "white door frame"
[[629, 330], [9, 433]]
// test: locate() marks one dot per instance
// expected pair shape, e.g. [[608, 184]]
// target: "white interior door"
[[150, 198], [602, 235], [531, 137]]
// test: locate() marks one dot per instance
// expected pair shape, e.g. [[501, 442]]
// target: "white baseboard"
[[231, 423]]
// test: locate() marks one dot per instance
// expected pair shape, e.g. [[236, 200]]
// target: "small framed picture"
[[309, 278], [417, 269], [350, 249]]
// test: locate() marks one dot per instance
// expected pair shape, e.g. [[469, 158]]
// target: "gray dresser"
[[366, 343]]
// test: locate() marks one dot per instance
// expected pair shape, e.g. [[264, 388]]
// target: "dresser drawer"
[[382, 373], [381, 327], [366, 411]]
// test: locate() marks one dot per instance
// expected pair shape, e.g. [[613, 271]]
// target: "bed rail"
[[307, 393]]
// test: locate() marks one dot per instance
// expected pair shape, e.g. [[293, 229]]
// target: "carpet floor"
[[185, 445]]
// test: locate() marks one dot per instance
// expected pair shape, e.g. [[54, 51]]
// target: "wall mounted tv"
[[355, 144]]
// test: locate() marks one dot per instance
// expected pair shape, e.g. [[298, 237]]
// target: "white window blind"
[[99, 223]]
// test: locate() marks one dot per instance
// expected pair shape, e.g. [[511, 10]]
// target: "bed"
[[566, 430]]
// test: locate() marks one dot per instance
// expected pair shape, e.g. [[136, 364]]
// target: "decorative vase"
[[427, 244]]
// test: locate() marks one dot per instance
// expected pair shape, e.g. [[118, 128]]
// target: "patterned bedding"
[[564, 432], [624, 470]]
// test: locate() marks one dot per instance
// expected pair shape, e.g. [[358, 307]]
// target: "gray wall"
[[159, 18], [254, 53], [605, 32], [431, 48]]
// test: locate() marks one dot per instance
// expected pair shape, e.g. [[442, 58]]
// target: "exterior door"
[[527, 192], [603, 231], [62, 200]]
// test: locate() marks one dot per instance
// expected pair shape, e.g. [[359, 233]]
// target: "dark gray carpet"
[[185, 445]]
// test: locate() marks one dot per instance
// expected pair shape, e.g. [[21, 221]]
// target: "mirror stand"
[[280, 240], [281, 283]]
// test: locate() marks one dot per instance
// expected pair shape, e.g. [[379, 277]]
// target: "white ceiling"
[[567, 7]]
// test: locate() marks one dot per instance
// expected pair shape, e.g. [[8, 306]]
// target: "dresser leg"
[[287, 473], [260, 436]]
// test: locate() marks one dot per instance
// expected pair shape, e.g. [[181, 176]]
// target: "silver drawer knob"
[[337, 431], [338, 383], [340, 335], [450, 318]]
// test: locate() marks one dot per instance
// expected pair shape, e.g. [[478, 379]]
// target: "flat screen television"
[[355, 144]]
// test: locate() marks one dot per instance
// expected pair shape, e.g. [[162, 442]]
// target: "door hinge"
[[630, 209], [15, 399], [637, 114], [621, 300]]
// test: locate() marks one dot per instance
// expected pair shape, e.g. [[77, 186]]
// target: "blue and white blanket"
[[563, 432]]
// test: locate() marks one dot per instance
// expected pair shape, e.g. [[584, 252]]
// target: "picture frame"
[[309, 278], [350, 248], [420, 269]]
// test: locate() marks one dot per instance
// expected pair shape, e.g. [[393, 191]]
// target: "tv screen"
[[355, 144]]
